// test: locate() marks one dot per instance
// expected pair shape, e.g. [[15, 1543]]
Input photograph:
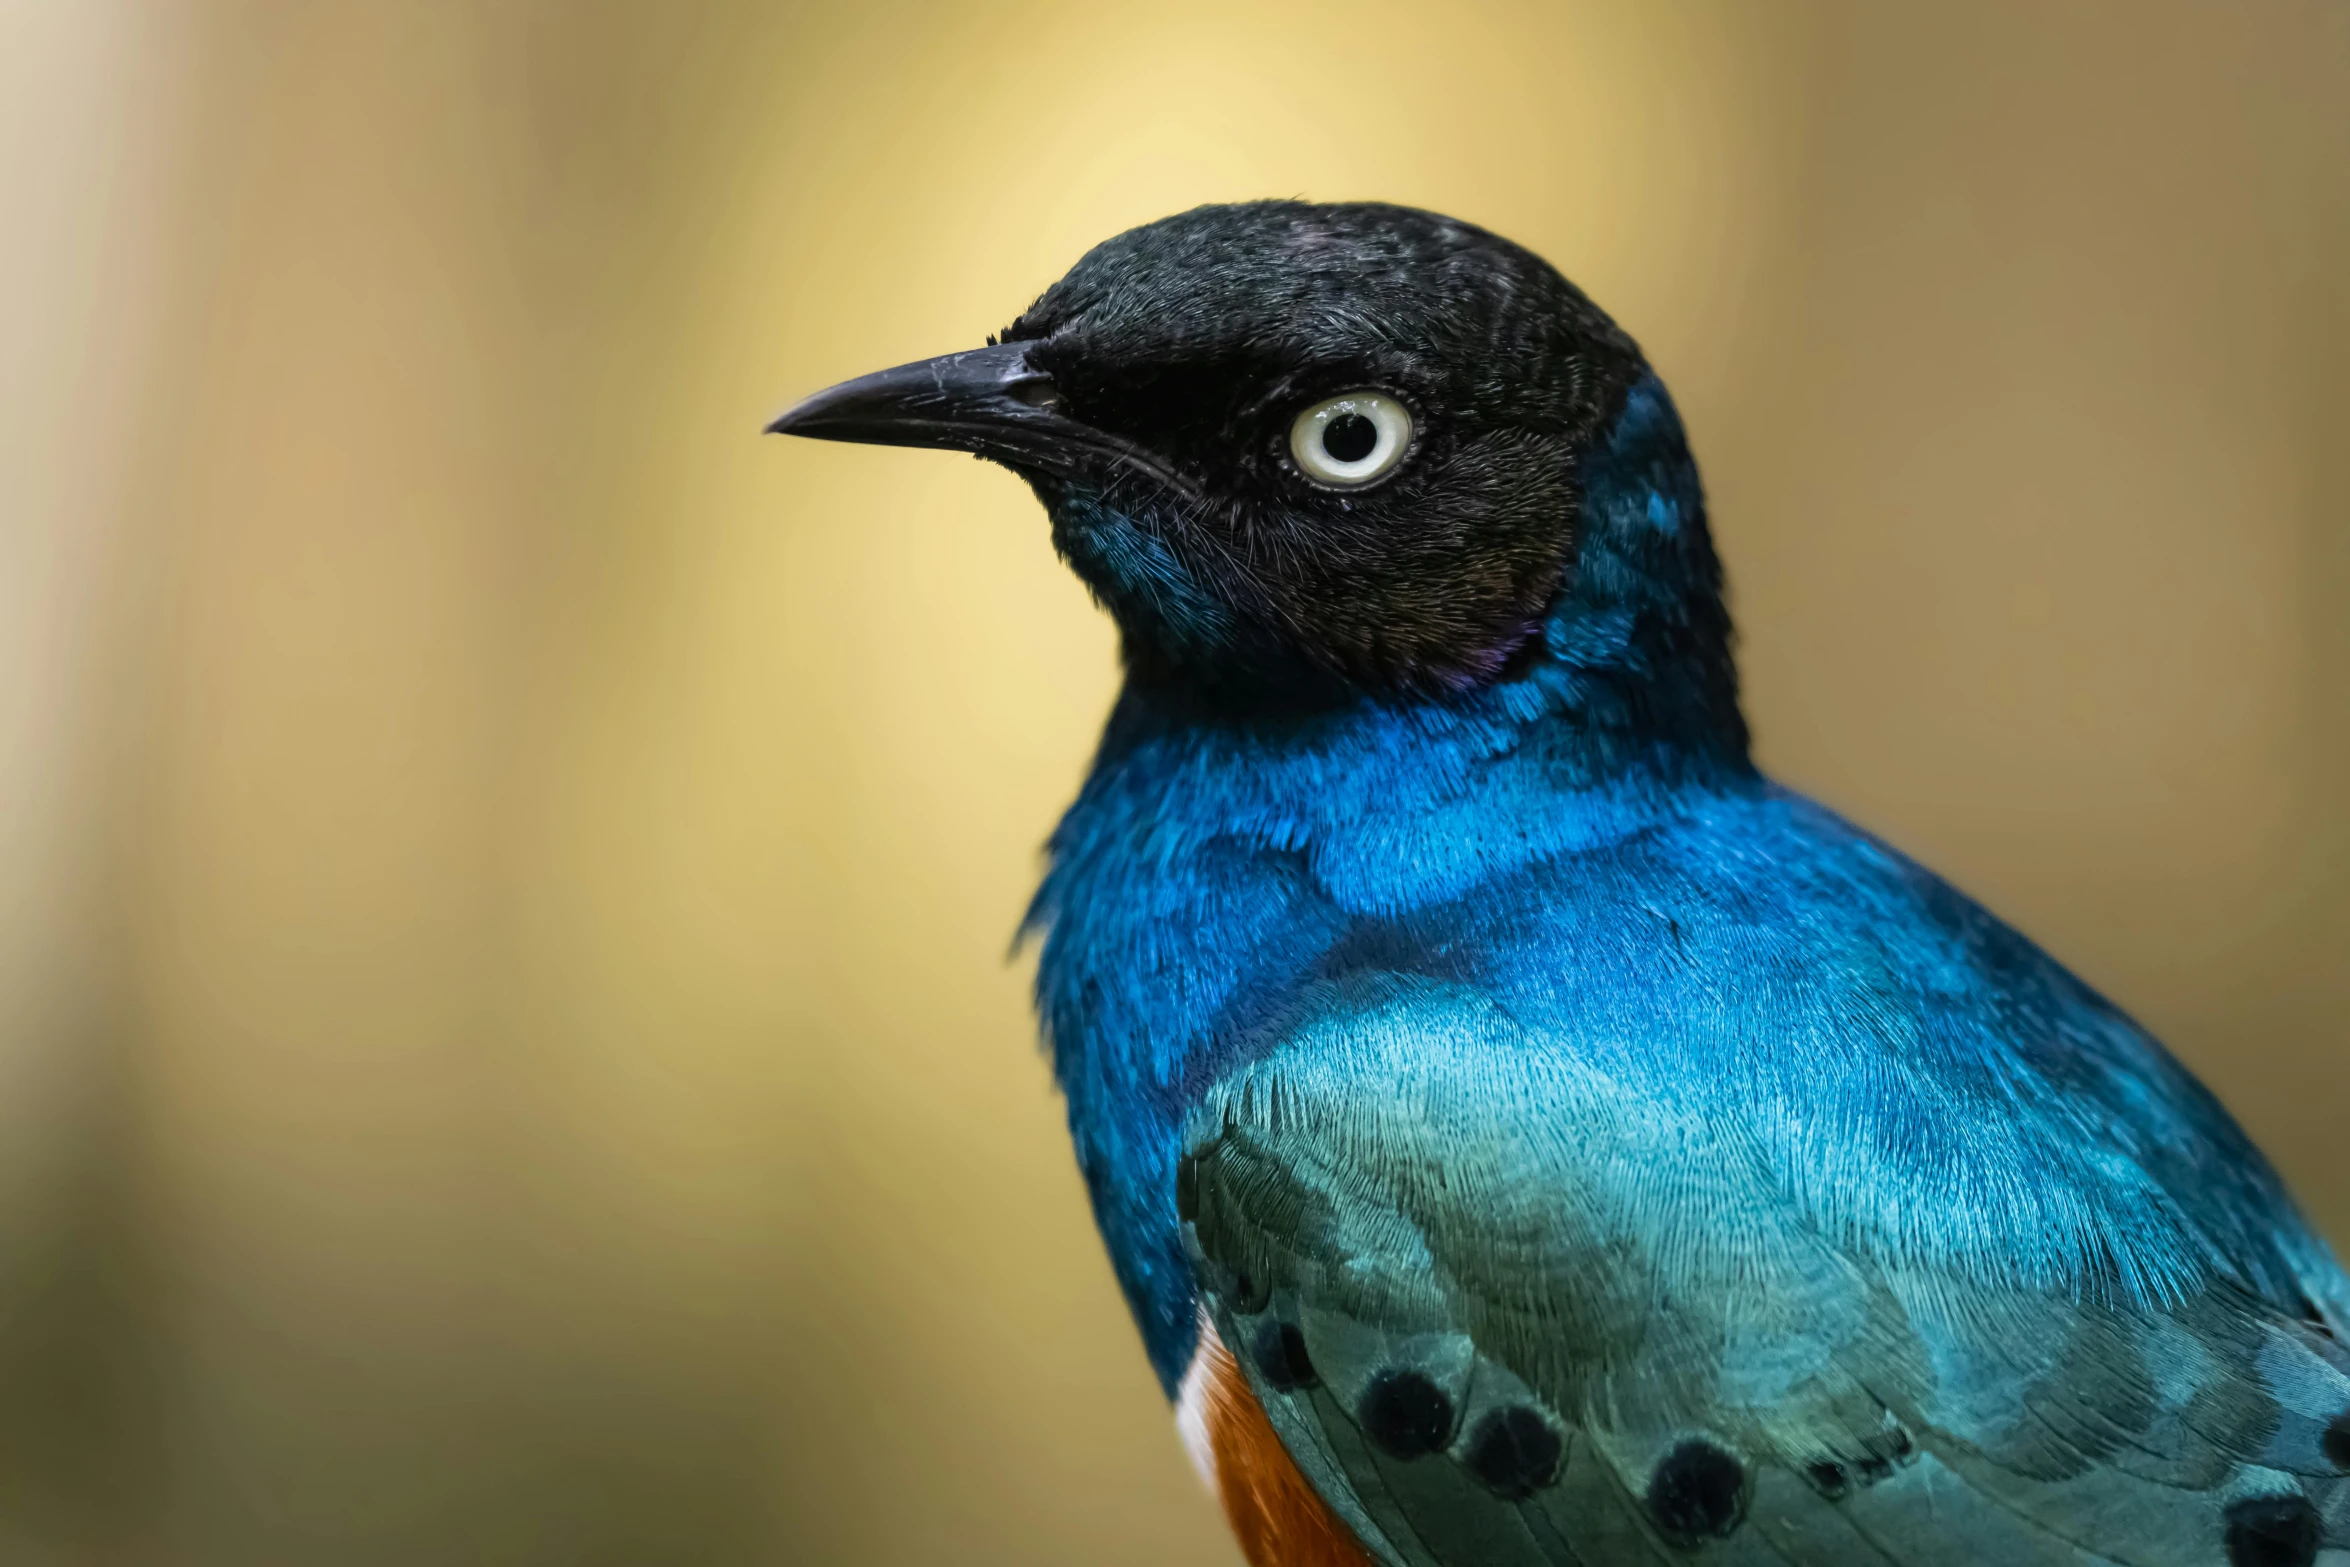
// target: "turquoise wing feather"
[[1502, 1310]]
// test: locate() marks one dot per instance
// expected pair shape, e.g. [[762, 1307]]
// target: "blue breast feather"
[[1585, 846]]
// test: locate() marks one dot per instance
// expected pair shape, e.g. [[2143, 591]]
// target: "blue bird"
[[1525, 1133]]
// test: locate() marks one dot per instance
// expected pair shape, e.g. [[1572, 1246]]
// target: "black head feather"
[[1198, 339]]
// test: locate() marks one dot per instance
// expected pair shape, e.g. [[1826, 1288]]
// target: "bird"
[[1523, 1131]]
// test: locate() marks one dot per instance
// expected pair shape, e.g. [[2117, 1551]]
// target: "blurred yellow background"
[[506, 1047]]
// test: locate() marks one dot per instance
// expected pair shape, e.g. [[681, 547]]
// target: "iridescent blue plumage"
[[1587, 847], [1590, 1151]]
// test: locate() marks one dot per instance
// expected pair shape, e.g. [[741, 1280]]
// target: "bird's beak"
[[985, 400]]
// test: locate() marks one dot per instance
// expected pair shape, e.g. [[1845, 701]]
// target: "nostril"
[[1037, 392]]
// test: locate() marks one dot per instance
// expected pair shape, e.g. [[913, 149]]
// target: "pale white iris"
[[1350, 440]]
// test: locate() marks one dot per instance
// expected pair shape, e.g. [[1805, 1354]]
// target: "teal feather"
[[1593, 1152]]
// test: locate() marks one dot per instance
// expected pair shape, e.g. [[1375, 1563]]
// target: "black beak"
[[985, 400]]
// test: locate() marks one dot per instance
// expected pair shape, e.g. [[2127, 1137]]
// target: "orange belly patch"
[[1278, 1518]]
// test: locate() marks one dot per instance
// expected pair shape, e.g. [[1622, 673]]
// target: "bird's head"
[[1291, 446]]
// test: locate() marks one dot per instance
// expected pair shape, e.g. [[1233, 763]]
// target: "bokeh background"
[[507, 1051]]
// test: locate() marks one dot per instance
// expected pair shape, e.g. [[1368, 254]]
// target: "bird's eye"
[[1350, 440]]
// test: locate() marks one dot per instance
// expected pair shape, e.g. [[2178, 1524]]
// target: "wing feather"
[[1534, 1320]]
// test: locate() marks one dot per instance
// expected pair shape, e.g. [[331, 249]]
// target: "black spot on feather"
[[1405, 1414], [1280, 1351], [1697, 1493], [2336, 1442], [1515, 1452], [2272, 1531]]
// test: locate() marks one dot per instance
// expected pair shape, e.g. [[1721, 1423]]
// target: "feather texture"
[[1591, 1152], [1531, 1045]]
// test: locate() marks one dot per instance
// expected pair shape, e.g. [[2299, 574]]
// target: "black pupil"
[[1349, 437]]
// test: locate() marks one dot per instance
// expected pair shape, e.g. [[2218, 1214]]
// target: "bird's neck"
[[1622, 713]]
